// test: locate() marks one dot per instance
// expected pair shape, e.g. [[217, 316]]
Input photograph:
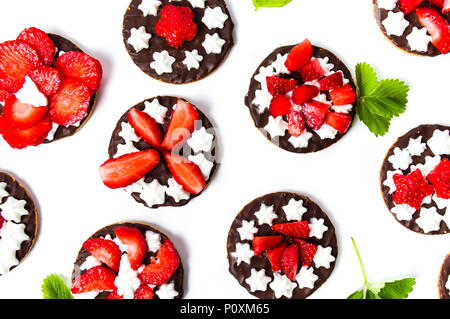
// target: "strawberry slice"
[[298, 229], [20, 115], [340, 121], [146, 127], [80, 66], [4, 95], [438, 3], [343, 95], [105, 251], [136, 244], [312, 71], [274, 256], [99, 278], [17, 59], [144, 292], [299, 56], [331, 82], [437, 26], [440, 178], [307, 251], [128, 169], [160, 271], [114, 295], [186, 173], [181, 125], [280, 105], [289, 261], [408, 6], [411, 189], [47, 79], [31, 136], [2, 221], [280, 86], [41, 42], [304, 93], [315, 113], [261, 244], [296, 123]]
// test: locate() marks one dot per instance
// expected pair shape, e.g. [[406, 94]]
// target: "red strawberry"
[[47, 79], [80, 66], [289, 261], [307, 251], [299, 56], [280, 105], [136, 244], [331, 82], [99, 278], [114, 295], [274, 256], [411, 189], [186, 173], [340, 121], [17, 59], [438, 3], [105, 251], [261, 244], [144, 292], [20, 115], [4, 95], [296, 123], [315, 113], [343, 95], [304, 93], [70, 104], [31, 136], [437, 26], [145, 127], [41, 42], [280, 86], [312, 71], [408, 6], [181, 125], [2, 221], [128, 169], [298, 229], [446, 7], [160, 271], [176, 25], [440, 178]]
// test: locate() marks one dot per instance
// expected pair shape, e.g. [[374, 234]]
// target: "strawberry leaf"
[[398, 289], [359, 294], [55, 287], [270, 3]]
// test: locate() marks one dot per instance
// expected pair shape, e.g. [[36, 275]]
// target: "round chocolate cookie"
[[258, 100], [261, 217], [18, 223], [444, 282], [405, 31], [423, 148], [172, 289], [159, 188], [191, 61]]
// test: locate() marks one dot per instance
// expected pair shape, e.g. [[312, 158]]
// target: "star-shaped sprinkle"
[[403, 212], [418, 39], [153, 241], [429, 220], [156, 110], [430, 164], [176, 191], [192, 60], [301, 141], [128, 133], [439, 143], [416, 147], [306, 278], [7, 257], [126, 148], [139, 39], [202, 162], [387, 4], [411, 189], [213, 44], [13, 234], [201, 140], [395, 23], [162, 62], [248, 230], [265, 215], [326, 132], [214, 18], [262, 100], [258, 280], [441, 202], [401, 159], [317, 228], [282, 286], [149, 7], [13, 209], [167, 291], [3, 191], [389, 181], [243, 253], [276, 126], [197, 3], [280, 64], [294, 210], [154, 193], [323, 257]]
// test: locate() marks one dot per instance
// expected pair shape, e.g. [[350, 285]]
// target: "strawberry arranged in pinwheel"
[[411, 189]]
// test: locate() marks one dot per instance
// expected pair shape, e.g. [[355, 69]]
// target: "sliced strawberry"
[[307, 251], [299, 56], [343, 95], [340, 121], [136, 245], [17, 59], [437, 26], [289, 261], [261, 244], [440, 178], [411, 189], [31, 136], [304, 93], [274, 256], [280, 86], [331, 82], [2, 221], [280, 105], [146, 127], [80, 66], [114, 295], [176, 25], [4, 95], [315, 113], [298, 229], [47, 79], [296, 123], [446, 7], [438, 3], [408, 6], [144, 292], [186, 173], [20, 115], [160, 271], [41, 42], [128, 169], [181, 125], [105, 251], [312, 71], [99, 278]]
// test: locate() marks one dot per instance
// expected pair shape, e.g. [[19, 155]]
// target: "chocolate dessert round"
[[410, 152], [413, 24], [257, 219], [19, 211], [194, 59], [444, 282], [108, 231], [261, 117], [206, 159]]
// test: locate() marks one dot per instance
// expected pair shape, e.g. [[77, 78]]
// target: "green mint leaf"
[[357, 295], [55, 287], [398, 289], [270, 3]]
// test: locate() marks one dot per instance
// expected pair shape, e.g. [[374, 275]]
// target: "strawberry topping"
[[31, 136], [289, 261], [176, 25], [296, 123], [145, 127], [274, 256], [160, 271], [144, 292], [411, 189], [47, 79], [440, 178], [340, 121], [304, 93], [343, 95], [312, 71], [299, 56], [105, 251], [298, 229], [280, 105], [261, 244], [307, 251], [408, 6], [41, 42], [136, 244], [280, 86], [315, 113], [331, 82], [20, 115], [99, 278], [185, 173], [437, 26]]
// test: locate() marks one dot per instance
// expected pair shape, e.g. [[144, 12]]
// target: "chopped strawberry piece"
[[440, 178], [437, 26], [146, 127], [80, 66], [4, 95], [98, 279], [298, 229], [144, 292], [41, 42], [274, 256], [411, 189], [280, 105], [20, 115], [296, 123], [280, 86], [307, 251], [299, 56], [315, 113], [181, 125], [343, 95], [31, 136], [331, 82], [136, 245], [160, 271], [340, 121], [408, 6], [17, 59], [105, 251], [312, 71], [446, 7], [186, 173], [114, 295], [128, 169], [289, 261], [304, 93], [438, 3], [2, 221], [176, 25], [47, 79], [261, 244]]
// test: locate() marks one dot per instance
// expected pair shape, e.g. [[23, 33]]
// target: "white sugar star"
[[276, 127], [128, 133], [156, 110], [149, 7], [387, 4], [176, 191], [201, 140], [126, 148], [430, 164], [3, 192], [429, 220], [439, 143], [416, 147], [326, 132], [13, 209], [294, 210], [279, 64], [317, 227], [201, 161], [192, 60], [153, 193], [243, 253], [395, 23], [214, 18], [389, 182], [306, 278], [153, 241], [213, 44], [418, 39], [265, 215], [441, 202], [248, 230], [401, 159], [7, 257], [139, 39], [403, 212], [258, 280], [323, 257], [301, 141], [282, 286], [13, 235], [262, 100], [162, 62], [167, 291]]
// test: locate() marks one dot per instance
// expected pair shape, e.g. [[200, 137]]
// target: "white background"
[[343, 180]]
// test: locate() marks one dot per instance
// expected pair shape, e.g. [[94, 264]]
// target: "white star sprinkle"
[[429, 220], [149, 7], [258, 280], [301, 141], [248, 230], [326, 132], [153, 193], [294, 210], [205, 165], [126, 148], [306, 278], [401, 159], [276, 127], [13, 209], [265, 215], [167, 291], [416, 147], [323, 257], [440, 142], [13, 235], [282, 286], [176, 191], [214, 18], [262, 100], [192, 60], [317, 227], [201, 140], [243, 253], [395, 23], [430, 164], [387, 4], [7, 257], [156, 110], [418, 39], [128, 133], [153, 241], [403, 212], [279, 64], [389, 182], [213, 44], [139, 39], [3, 192], [162, 62]]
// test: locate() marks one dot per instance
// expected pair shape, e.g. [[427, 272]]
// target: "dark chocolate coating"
[[134, 19], [315, 143], [278, 200], [177, 277], [427, 132], [443, 278]]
